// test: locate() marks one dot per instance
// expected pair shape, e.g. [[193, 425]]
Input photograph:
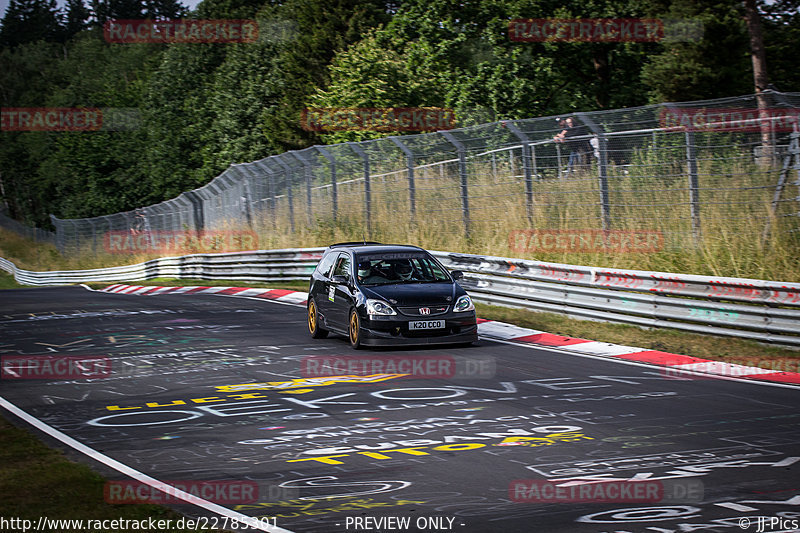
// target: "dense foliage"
[[202, 107]]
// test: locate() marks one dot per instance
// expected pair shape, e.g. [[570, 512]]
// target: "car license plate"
[[426, 324]]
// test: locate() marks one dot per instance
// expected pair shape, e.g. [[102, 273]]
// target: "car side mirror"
[[339, 279], [457, 274]]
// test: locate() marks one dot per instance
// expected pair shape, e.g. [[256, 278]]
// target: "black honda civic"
[[380, 294]]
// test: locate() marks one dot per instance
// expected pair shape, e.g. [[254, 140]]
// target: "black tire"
[[316, 331], [354, 330]]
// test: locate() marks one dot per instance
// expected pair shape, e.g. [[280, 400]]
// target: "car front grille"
[[435, 310]]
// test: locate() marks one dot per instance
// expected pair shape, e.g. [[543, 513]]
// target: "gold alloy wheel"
[[312, 317], [313, 322], [355, 330]]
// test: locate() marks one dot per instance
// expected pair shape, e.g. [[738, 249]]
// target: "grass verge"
[[7, 281], [731, 350], [38, 481]]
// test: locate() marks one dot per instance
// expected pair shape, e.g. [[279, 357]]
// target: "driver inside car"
[[404, 270], [368, 274]]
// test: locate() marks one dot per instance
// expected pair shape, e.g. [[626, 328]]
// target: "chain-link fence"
[[29, 232], [678, 170]]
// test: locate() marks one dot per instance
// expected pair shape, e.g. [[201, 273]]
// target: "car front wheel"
[[355, 330], [317, 332]]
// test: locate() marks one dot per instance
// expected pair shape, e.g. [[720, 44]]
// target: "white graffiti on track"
[[702, 518], [694, 470], [650, 461]]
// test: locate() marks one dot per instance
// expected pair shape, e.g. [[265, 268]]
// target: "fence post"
[[59, 233], [243, 170], [794, 151], [262, 164], [462, 171], [526, 166], [198, 211], [77, 247], [148, 228], [367, 192], [784, 174], [412, 193], [334, 191], [308, 175], [602, 168], [288, 173], [694, 200], [558, 161]]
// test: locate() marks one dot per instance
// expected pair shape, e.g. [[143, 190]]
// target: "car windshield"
[[405, 267]]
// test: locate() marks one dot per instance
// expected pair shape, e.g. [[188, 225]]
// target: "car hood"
[[415, 293]]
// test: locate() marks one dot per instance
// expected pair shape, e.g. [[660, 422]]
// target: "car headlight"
[[464, 304], [379, 307]]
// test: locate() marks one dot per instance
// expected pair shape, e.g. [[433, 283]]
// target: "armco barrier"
[[269, 265], [747, 308], [761, 310]]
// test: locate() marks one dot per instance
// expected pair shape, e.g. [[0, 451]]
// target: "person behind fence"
[[571, 136]]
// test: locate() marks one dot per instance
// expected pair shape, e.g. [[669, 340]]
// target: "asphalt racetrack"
[[231, 393]]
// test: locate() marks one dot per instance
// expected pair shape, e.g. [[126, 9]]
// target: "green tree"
[[28, 74], [460, 55], [781, 22], [321, 28], [27, 21], [105, 10], [187, 144], [712, 66], [99, 172], [76, 18]]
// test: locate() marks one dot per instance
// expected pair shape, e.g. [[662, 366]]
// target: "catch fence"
[[681, 170], [30, 232]]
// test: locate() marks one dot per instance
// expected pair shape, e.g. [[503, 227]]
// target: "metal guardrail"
[[263, 266], [761, 310]]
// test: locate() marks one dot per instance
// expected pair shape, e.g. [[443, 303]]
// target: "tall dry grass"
[[650, 193], [735, 215]]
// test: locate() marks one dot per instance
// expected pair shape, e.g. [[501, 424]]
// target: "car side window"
[[342, 267], [324, 266]]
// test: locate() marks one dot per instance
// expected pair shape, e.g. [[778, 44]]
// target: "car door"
[[321, 280], [340, 294]]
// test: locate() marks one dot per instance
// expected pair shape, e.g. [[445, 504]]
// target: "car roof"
[[354, 244], [375, 247]]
